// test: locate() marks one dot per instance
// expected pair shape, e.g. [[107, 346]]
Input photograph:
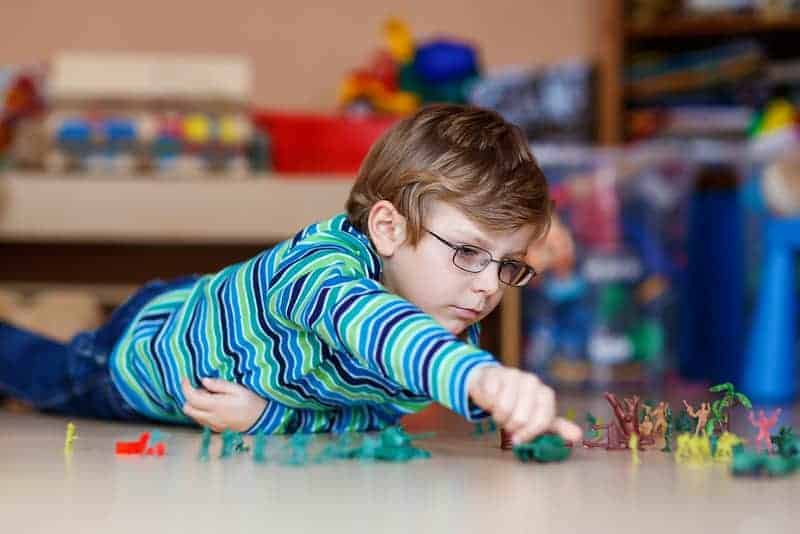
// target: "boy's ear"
[[387, 227]]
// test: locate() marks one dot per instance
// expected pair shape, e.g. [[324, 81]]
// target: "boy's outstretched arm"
[[391, 336], [520, 403]]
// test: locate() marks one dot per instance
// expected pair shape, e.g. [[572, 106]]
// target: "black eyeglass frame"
[[530, 272]]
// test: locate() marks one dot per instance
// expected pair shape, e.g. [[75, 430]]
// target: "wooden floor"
[[468, 485]]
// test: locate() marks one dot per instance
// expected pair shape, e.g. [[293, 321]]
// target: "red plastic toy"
[[134, 447], [158, 450]]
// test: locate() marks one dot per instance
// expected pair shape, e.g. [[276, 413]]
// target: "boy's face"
[[426, 275]]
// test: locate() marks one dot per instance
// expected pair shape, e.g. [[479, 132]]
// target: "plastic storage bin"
[[316, 143]]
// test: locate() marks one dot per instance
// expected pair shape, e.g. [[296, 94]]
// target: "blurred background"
[[149, 140]]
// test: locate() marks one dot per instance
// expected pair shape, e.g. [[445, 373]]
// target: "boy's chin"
[[454, 326]]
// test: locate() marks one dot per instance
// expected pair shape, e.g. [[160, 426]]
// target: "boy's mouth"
[[466, 313]]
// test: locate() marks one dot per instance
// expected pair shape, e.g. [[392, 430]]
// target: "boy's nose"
[[488, 280]]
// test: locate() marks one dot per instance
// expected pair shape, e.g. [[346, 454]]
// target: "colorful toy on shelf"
[[776, 126], [404, 75], [376, 87], [192, 118], [21, 109]]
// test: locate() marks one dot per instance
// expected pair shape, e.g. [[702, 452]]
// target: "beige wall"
[[299, 53]]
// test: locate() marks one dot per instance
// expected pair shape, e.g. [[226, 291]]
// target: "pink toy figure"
[[764, 425]]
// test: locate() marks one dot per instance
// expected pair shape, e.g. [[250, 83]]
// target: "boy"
[[350, 324]]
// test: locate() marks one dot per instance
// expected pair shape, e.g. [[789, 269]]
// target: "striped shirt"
[[306, 325]]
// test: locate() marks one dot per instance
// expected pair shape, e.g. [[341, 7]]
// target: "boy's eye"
[[471, 259], [467, 252]]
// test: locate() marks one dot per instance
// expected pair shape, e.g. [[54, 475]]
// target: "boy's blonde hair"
[[465, 156]]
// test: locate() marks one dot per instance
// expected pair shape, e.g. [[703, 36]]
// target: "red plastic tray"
[[317, 143]]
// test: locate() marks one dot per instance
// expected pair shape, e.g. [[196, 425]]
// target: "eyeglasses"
[[475, 259]]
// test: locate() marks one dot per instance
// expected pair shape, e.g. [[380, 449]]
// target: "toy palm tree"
[[720, 407]]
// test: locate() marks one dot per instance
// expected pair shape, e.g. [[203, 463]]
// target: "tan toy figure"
[[659, 417], [646, 426], [701, 415]]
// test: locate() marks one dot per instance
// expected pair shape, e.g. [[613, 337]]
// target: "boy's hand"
[[222, 405], [520, 403]]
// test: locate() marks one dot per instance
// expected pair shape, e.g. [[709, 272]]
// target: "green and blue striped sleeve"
[[382, 331]]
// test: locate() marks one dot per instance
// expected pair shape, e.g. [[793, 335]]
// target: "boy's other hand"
[[520, 403], [222, 405]]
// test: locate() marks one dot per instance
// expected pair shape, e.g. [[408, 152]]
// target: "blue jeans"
[[73, 378]]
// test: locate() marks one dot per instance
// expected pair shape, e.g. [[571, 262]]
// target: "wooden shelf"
[[138, 209], [716, 25]]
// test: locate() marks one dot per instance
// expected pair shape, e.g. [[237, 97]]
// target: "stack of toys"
[[406, 74], [545, 102], [115, 113]]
